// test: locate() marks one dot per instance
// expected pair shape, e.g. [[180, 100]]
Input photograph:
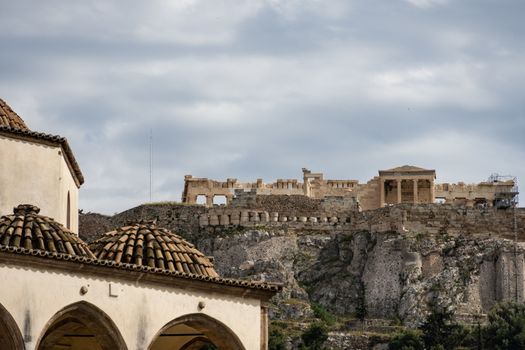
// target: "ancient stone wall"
[[254, 218], [182, 219], [293, 205], [188, 220], [405, 184]]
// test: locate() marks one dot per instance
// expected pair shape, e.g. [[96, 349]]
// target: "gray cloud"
[[261, 88]]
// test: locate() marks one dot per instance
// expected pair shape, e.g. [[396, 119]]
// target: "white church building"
[[135, 288]]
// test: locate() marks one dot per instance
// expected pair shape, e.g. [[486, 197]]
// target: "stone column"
[[432, 191], [399, 191], [416, 197], [209, 201], [381, 193]]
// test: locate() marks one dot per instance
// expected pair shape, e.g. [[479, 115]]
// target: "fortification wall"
[[191, 221], [293, 205], [182, 219], [402, 218], [441, 218]]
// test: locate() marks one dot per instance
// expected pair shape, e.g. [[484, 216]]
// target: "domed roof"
[[9, 118], [144, 244], [26, 229]]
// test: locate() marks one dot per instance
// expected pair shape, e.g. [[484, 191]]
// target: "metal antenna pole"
[[150, 164], [515, 224]]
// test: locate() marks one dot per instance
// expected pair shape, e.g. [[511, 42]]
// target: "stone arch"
[[81, 325], [10, 336], [195, 344], [207, 329]]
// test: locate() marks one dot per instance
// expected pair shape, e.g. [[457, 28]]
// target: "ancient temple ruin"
[[404, 184]]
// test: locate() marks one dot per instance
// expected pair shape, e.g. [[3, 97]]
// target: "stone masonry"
[[405, 184]]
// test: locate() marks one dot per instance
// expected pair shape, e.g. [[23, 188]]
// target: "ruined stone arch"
[[209, 328], [82, 320], [10, 336]]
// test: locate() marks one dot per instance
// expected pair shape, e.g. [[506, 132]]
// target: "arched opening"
[[219, 199], [201, 199], [68, 212], [10, 336], [195, 332], [81, 326]]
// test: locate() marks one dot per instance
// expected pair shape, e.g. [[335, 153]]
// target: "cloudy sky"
[[261, 88]]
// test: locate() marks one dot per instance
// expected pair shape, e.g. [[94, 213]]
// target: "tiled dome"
[[28, 230], [9, 118], [144, 244]]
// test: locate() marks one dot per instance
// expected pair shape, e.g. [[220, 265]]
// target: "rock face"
[[386, 264]]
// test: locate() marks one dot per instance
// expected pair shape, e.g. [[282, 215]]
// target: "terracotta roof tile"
[[144, 244], [9, 118], [257, 285], [26, 229]]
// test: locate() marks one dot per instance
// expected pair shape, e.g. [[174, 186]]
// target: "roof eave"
[[82, 265], [49, 139]]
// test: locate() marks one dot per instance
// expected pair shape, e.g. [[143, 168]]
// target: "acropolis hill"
[[388, 248]]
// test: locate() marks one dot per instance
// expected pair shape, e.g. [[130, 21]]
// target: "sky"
[[253, 89]]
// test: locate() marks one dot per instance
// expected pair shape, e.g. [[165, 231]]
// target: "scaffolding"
[[506, 197]]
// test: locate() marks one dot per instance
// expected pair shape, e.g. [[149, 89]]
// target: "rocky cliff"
[[389, 264]]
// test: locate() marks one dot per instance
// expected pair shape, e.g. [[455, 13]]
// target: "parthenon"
[[404, 184]]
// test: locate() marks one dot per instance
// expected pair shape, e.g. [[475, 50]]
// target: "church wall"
[[34, 173], [67, 185], [138, 309]]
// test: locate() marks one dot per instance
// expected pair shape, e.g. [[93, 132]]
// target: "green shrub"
[[315, 336], [506, 327], [324, 315], [440, 329], [408, 339], [276, 339]]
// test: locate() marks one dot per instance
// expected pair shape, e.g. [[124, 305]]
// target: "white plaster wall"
[[67, 184], [32, 173], [140, 311]]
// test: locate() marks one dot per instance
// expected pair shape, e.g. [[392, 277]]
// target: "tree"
[[408, 339], [276, 340], [506, 327], [324, 315], [315, 336], [440, 329]]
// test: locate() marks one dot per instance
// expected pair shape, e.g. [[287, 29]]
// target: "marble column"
[[432, 191], [416, 197], [399, 191], [381, 193]]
